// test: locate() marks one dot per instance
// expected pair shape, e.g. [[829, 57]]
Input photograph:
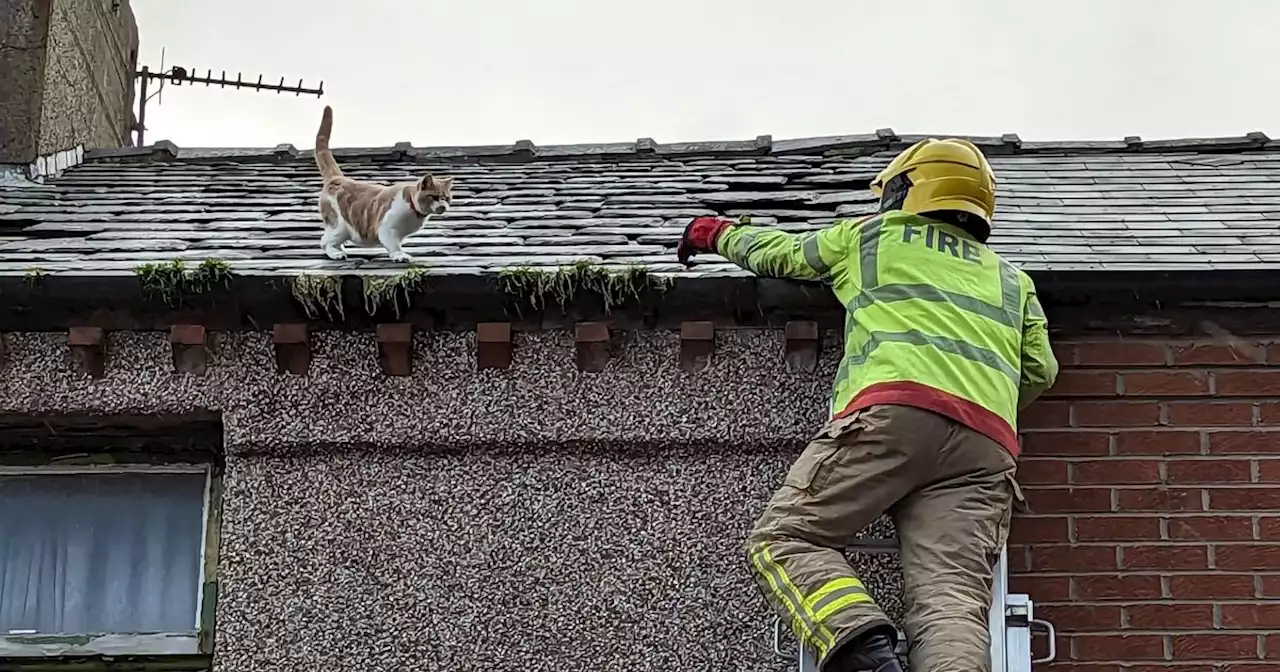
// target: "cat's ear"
[[425, 183], [446, 182]]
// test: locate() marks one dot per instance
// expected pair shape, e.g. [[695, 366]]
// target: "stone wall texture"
[[24, 25], [68, 73], [536, 518]]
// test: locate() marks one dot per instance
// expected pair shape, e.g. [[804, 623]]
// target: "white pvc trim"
[[41, 648], [58, 469], [204, 543]]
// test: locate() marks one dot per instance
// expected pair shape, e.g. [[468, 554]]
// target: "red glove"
[[700, 236]]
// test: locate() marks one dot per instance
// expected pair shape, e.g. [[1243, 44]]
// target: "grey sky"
[[494, 71]]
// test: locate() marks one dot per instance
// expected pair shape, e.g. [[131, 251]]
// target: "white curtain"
[[96, 553]]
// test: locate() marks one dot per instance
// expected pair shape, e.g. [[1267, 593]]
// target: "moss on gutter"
[[172, 282], [318, 294], [539, 288], [383, 290], [34, 277]]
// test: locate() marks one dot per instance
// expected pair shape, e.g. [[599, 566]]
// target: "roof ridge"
[[884, 139]]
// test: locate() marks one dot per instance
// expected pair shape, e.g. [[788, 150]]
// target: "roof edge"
[[523, 151], [1080, 302]]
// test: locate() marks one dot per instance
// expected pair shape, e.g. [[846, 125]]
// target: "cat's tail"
[[324, 158]]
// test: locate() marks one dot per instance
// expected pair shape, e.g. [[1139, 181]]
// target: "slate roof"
[[1173, 205]]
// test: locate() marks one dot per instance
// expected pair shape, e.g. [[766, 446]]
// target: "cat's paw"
[[401, 257], [336, 255]]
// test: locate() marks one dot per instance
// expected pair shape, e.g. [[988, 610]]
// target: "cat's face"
[[435, 194]]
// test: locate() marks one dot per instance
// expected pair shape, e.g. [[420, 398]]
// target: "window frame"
[[195, 642]]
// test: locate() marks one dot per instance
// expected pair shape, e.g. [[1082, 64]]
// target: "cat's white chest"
[[401, 219]]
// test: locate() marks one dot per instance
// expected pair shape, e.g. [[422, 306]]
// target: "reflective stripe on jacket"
[[934, 320]]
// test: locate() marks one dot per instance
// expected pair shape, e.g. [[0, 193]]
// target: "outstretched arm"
[[771, 252]]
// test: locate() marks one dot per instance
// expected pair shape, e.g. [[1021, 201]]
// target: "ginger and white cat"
[[368, 214]]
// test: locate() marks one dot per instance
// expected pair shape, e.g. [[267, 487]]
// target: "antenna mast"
[[177, 75]]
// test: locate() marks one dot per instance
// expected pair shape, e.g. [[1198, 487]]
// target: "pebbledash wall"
[[533, 518], [546, 518]]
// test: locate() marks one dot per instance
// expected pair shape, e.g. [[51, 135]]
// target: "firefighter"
[[944, 343]]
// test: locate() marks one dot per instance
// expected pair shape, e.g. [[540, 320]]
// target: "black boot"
[[872, 651]]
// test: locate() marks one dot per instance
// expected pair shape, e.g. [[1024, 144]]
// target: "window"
[[116, 553]]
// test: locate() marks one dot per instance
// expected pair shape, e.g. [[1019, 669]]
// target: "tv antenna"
[[178, 74]]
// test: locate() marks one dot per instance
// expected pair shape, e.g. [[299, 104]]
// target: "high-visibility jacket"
[[935, 319]]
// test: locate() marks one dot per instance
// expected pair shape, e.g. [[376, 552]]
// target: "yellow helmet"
[[939, 175]]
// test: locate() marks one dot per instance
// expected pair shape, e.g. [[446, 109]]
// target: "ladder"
[[1011, 623]]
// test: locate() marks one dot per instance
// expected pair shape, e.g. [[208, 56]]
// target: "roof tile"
[[1197, 204]]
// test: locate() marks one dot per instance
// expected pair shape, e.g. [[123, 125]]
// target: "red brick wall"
[[1153, 474]]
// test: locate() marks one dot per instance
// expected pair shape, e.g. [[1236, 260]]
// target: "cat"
[[369, 214]]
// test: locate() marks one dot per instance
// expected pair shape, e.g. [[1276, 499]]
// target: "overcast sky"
[[436, 72]]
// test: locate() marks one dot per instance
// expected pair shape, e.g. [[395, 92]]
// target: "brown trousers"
[[950, 491]]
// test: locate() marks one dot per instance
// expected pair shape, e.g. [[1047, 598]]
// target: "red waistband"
[[963, 411]]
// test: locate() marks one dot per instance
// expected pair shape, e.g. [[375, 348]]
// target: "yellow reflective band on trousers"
[[834, 596], [803, 621], [808, 613]]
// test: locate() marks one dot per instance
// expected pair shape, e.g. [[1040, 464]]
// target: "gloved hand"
[[700, 236]]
